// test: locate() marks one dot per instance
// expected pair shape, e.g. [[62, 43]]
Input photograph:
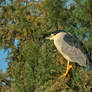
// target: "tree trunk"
[[90, 14], [91, 22]]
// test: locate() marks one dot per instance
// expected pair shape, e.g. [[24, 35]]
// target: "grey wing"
[[73, 49]]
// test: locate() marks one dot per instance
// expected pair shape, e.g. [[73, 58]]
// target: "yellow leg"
[[69, 67]]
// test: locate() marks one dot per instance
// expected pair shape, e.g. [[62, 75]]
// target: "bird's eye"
[[53, 34]]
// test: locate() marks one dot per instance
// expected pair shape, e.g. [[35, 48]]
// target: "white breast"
[[58, 43]]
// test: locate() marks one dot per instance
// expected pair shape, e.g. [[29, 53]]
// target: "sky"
[[68, 3], [3, 61], [5, 53]]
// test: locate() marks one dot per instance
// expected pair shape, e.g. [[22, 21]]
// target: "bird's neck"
[[59, 35]]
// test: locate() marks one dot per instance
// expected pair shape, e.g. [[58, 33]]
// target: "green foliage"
[[35, 65], [54, 11]]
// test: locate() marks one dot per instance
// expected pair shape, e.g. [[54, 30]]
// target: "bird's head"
[[53, 35]]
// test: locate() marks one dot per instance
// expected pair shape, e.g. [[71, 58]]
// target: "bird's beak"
[[47, 38], [50, 37]]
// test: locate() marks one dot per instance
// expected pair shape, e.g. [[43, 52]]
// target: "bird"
[[70, 47]]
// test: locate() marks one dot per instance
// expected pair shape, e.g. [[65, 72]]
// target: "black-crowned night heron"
[[70, 47]]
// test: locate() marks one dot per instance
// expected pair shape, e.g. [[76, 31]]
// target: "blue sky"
[[3, 61], [3, 55], [68, 3]]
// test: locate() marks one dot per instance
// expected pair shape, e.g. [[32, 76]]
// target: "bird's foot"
[[69, 67], [64, 75]]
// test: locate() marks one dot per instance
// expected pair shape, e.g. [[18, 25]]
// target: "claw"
[[69, 67]]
